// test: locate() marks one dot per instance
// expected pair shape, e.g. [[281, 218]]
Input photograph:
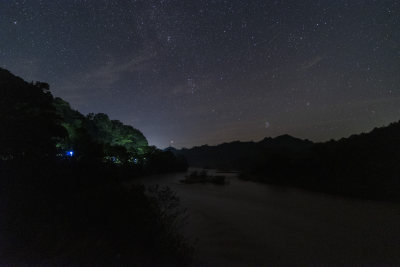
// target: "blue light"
[[70, 153]]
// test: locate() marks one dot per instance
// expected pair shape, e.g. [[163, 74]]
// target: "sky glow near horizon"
[[205, 72]]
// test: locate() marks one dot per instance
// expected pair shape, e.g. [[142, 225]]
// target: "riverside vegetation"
[[62, 200]]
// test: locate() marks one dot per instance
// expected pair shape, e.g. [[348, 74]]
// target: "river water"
[[252, 224]]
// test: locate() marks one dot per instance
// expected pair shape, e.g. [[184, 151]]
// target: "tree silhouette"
[[30, 125]]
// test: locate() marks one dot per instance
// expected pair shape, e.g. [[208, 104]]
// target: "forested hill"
[[236, 155], [364, 165], [62, 196], [37, 125], [27, 104], [113, 134]]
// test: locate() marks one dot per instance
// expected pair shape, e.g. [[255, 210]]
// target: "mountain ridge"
[[226, 155], [362, 165]]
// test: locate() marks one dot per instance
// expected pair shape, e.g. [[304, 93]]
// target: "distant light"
[[70, 153], [135, 160]]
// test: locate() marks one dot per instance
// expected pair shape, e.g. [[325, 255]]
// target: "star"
[[186, 71]]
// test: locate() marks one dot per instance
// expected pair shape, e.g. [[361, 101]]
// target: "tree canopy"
[[36, 124], [29, 123]]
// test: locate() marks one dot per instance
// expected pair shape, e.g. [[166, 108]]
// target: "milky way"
[[204, 72]]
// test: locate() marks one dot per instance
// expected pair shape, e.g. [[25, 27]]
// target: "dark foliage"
[[238, 155], [78, 213], [365, 165], [165, 161], [28, 123], [73, 210], [96, 137]]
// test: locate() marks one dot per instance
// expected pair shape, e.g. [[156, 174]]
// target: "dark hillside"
[[61, 197], [238, 155], [364, 165]]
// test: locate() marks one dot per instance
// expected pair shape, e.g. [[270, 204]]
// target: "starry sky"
[[199, 72]]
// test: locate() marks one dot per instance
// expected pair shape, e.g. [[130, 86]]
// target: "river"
[[252, 224]]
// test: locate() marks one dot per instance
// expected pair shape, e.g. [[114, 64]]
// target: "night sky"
[[199, 72]]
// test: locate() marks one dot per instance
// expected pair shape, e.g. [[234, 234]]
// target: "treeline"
[[365, 165], [237, 155], [37, 125], [96, 137], [61, 197]]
